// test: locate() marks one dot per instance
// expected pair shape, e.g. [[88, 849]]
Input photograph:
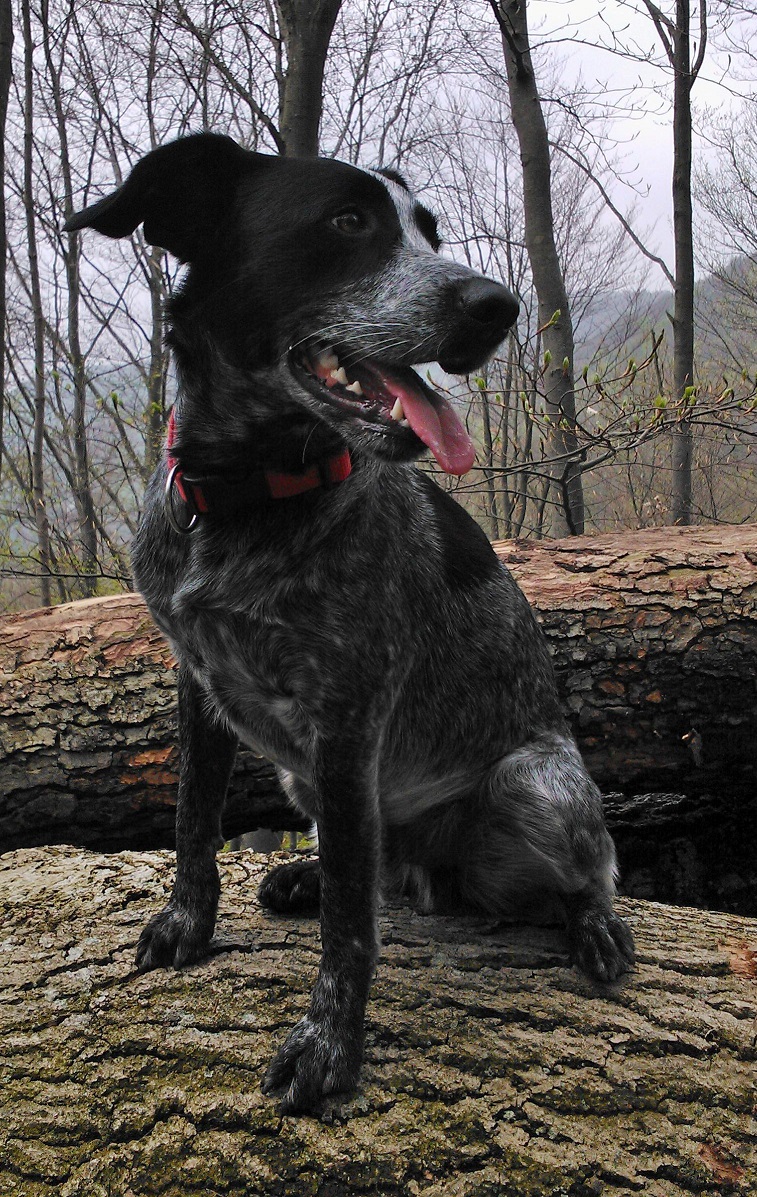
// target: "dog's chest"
[[286, 672], [268, 679]]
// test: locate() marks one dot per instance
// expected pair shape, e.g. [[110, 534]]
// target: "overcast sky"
[[578, 28]]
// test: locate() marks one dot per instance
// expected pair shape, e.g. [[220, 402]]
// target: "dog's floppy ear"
[[178, 192]]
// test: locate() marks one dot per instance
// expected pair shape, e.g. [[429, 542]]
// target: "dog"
[[329, 605]]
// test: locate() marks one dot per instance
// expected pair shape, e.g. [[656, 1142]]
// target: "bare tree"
[[53, 46], [421, 88], [297, 34], [40, 397], [726, 191], [556, 327], [6, 74], [675, 36], [306, 26]]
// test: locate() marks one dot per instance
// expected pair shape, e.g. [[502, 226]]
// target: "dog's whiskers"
[[349, 330], [373, 338]]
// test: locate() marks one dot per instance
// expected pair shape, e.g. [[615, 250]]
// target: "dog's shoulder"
[[469, 559]]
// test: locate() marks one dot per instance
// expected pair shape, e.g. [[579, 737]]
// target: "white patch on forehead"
[[404, 201]]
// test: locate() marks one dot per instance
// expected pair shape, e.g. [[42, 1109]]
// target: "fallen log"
[[654, 636], [491, 1067], [88, 732]]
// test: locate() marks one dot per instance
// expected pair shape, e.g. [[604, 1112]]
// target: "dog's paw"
[[601, 944], [172, 939], [292, 888], [315, 1062]]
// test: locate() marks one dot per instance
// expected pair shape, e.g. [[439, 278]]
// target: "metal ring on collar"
[[182, 529]]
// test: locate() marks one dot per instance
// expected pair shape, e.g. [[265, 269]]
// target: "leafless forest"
[[625, 397]]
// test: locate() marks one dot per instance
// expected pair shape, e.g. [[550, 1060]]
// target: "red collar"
[[204, 495]]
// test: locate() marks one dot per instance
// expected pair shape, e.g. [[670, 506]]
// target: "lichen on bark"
[[492, 1068]]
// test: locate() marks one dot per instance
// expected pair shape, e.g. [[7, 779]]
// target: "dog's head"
[[318, 285]]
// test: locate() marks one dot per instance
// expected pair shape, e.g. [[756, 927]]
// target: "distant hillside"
[[619, 324]]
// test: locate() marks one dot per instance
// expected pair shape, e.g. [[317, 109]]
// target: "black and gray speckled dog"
[[330, 606]]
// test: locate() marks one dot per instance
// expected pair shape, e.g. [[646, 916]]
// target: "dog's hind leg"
[[181, 932], [542, 828], [295, 887]]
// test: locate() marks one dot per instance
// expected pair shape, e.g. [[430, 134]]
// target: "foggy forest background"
[[639, 435]]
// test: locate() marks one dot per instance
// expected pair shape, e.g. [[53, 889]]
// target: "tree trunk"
[[683, 315], [675, 37], [490, 476], [491, 1067], [88, 731], [87, 546], [40, 398], [654, 635], [155, 424], [306, 27], [6, 74], [567, 513]]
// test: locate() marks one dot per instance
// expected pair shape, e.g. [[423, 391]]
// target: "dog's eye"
[[351, 221]]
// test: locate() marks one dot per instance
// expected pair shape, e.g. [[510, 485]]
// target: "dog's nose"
[[488, 303]]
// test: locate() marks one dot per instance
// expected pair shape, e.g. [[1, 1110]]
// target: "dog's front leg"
[[181, 932], [323, 1053]]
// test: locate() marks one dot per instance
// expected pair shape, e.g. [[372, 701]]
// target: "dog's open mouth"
[[394, 397]]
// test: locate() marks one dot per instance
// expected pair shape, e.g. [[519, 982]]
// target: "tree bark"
[[567, 513], [306, 27], [654, 635], [491, 1066], [654, 638], [155, 423], [88, 730]]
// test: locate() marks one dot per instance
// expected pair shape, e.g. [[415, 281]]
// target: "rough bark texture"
[[654, 636], [88, 732], [492, 1069]]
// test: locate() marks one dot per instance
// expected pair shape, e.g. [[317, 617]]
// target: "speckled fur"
[[364, 638]]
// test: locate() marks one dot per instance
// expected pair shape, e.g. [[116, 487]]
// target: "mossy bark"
[[492, 1068]]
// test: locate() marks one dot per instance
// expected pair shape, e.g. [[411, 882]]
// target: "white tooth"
[[340, 375], [356, 387], [328, 359], [397, 413], [404, 423]]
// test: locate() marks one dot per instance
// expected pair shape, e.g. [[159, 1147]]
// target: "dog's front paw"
[[317, 1060], [601, 944], [293, 887], [172, 938]]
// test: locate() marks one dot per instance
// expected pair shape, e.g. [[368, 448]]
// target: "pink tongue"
[[437, 425], [429, 414]]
